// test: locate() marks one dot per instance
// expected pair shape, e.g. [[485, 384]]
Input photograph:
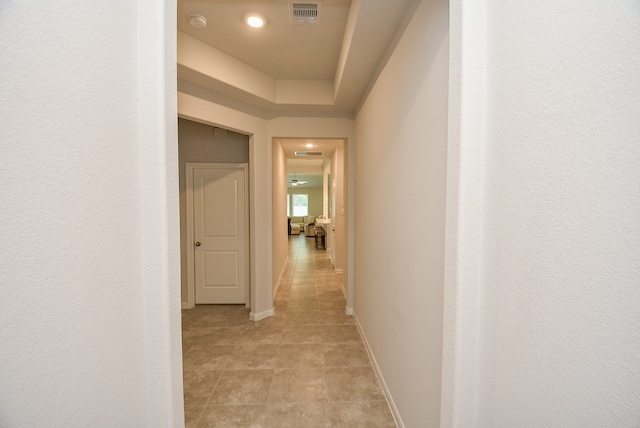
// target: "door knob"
[[198, 244]]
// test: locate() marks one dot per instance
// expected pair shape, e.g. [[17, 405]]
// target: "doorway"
[[326, 158], [202, 143]]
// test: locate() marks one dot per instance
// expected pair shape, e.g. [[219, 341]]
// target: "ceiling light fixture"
[[197, 21], [254, 20], [309, 145]]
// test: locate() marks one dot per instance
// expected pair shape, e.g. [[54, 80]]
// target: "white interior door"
[[220, 212]]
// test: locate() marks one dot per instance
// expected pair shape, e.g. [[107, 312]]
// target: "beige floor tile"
[[263, 334], [361, 414], [276, 320], [243, 416], [242, 387], [199, 385], [220, 336], [330, 295], [280, 305], [302, 318], [332, 305], [341, 334], [282, 294], [300, 356], [304, 367], [346, 355], [302, 293], [306, 304], [192, 415], [328, 286], [253, 356], [352, 384], [302, 334], [302, 284], [296, 415], [305, 278], [336, 317], [190, 338], [295, 386], [207, 358], [238, 319]]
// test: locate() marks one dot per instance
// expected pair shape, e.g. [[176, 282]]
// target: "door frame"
[[190, 238]]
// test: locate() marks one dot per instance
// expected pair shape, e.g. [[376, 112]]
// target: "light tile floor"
[[304, 367]]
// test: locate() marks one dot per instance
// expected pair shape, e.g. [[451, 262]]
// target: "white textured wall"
[[400, 173], [89, 315], [560, 297]]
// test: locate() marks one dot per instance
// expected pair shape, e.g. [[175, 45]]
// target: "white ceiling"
[[322, 69], [326, 146], [281, 50], [312, 165]]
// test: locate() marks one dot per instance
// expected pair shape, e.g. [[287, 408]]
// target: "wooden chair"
[[320, 237]]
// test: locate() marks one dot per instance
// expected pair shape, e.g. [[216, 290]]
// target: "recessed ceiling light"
[[197, 21], [309, 145], [254, 20]]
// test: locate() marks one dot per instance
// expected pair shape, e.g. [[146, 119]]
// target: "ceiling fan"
[[296, 182]]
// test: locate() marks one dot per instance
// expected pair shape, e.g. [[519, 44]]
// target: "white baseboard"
[[284, 267], [186, 305], [347, 310], [376, 369], [262, 315]]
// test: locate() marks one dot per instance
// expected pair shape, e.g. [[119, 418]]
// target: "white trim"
[[376, 369], [338, 271], [191, 295], [461, 356], [262, 315], [282, 271], [347, 309], [190, 265]]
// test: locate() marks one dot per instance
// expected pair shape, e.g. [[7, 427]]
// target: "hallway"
[[304, 367]]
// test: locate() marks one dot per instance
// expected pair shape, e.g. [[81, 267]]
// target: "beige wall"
[[315, 198], [338, 209], [400, 173], [280, 232], [197, 143]]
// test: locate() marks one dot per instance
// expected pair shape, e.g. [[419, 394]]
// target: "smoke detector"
[[304, 12], [198, 22]]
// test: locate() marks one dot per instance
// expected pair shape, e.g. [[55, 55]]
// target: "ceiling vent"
[[308, 153], [219, 132], [304, 12]]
